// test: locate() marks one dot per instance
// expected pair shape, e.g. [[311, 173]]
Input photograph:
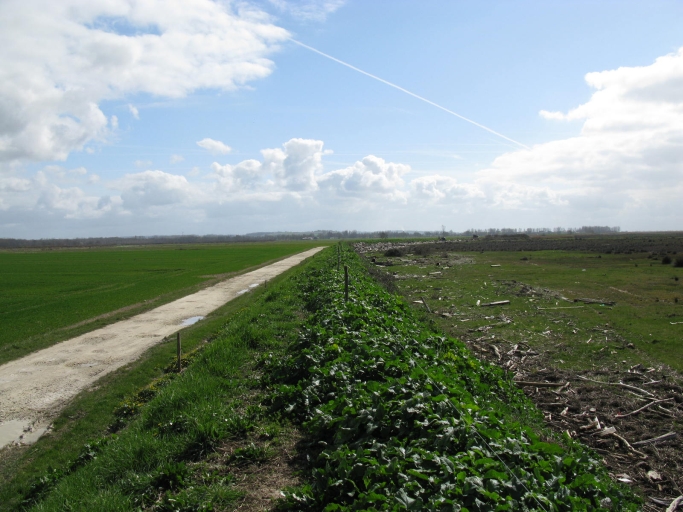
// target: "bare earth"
[[35, 388]]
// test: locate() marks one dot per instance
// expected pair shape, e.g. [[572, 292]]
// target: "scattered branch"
[[674, 504], [628, 445], [627, 386], [541, 384], [496, 303], [595, 301], [642, 408], [658, 439]]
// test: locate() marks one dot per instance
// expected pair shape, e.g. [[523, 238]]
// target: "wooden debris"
[[563, 307], [642, 408], [627, 386], [674, 504], [557, 391], [655, 440], [623, 477], [653, 476], [541, 384], [594, 423], [595, 301], [628, 445], [496, 303]]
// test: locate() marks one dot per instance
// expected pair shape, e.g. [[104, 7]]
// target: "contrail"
[[408, 92]]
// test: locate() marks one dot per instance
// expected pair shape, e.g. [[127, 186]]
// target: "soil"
[[655, 470], [262, 482], [657, 245], [35, 388]]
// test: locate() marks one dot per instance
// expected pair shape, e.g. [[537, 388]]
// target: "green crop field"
[[48, 296]]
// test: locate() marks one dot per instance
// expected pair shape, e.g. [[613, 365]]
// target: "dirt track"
[[35, 388]]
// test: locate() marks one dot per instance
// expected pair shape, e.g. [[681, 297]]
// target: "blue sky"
[[150, 117]]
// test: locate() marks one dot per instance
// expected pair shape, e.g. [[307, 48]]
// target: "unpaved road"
[[35, 388]]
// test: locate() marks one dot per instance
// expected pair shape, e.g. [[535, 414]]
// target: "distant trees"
[[586, 230]]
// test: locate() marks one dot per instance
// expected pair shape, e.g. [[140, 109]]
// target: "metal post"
[[178, 347], [346, 283]]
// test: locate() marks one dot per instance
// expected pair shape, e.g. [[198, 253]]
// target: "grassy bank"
[[130, 442], [53, 295]]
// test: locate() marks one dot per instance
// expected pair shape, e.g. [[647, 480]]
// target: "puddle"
[[253, 285], [192, 320], [242, 291], [19, 431]]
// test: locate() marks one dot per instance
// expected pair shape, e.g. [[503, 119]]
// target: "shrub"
[[393, 252], [423, 249], [666, 260], [678, 263]]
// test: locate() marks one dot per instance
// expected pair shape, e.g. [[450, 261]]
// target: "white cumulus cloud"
[[444, 189], [628, 155], [308, 10], [134, 111], [61, 60], [147, 189], [369, 176], [216, 147], [296, 166]]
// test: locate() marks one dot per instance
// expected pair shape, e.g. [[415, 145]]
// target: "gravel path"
[[35, 388]]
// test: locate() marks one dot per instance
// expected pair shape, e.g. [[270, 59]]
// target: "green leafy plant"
[[409, 419]]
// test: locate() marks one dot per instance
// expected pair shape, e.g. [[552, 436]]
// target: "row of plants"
[[401, 417]]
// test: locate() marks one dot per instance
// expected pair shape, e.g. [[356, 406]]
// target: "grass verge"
[[165, 424]]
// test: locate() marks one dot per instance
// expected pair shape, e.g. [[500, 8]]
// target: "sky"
[[164, 117]]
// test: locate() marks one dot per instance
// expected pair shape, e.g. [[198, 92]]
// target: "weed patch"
[[405, 418]]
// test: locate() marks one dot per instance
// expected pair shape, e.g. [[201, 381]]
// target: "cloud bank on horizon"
[[63, 60]]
